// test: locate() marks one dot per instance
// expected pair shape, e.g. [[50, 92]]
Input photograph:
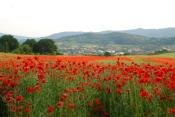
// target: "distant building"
[[119, 53]]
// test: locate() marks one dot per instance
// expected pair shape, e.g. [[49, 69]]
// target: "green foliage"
[[8, 43], [127, 53], [4, 109], [30, 42], [58, 53], [23, 49], [45, 46], [161, 51], [107, 54], [109, 38]]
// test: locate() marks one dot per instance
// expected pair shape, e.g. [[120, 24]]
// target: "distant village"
[[112, 51]]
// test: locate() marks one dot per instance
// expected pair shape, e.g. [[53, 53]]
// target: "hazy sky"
[[43, 17]]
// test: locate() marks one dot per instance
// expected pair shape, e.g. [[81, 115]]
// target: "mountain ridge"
[[64, 34], [157, 33]]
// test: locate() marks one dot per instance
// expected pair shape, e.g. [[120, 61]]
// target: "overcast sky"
[[44, 17]]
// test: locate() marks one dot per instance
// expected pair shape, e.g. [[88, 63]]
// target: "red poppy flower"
[[65, 95], [50, 109], [30, 90], [71, 105], [19, 98], [171, 111], [97, 101], [27, 110], [145, 94], [60, 104]]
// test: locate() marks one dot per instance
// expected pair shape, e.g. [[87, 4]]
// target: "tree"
[[8, 43], [23, 49], [45, 46], [107, 54], [30, 42]]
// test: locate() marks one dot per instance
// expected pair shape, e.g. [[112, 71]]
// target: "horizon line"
[[21, 35]]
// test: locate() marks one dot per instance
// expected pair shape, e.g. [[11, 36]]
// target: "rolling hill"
[[63, 34], [107, 38], [118, 40], [145, 39], [158, 33]]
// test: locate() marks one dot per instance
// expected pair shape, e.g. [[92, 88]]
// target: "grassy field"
[[141, 58], [168, 55], [86, 86]]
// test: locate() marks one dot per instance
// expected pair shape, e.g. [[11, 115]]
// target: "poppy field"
[[81, 86]]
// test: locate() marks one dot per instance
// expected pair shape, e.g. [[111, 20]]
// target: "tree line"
[[8, 43]]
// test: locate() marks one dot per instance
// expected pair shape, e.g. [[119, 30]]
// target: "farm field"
[[87, 86]]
